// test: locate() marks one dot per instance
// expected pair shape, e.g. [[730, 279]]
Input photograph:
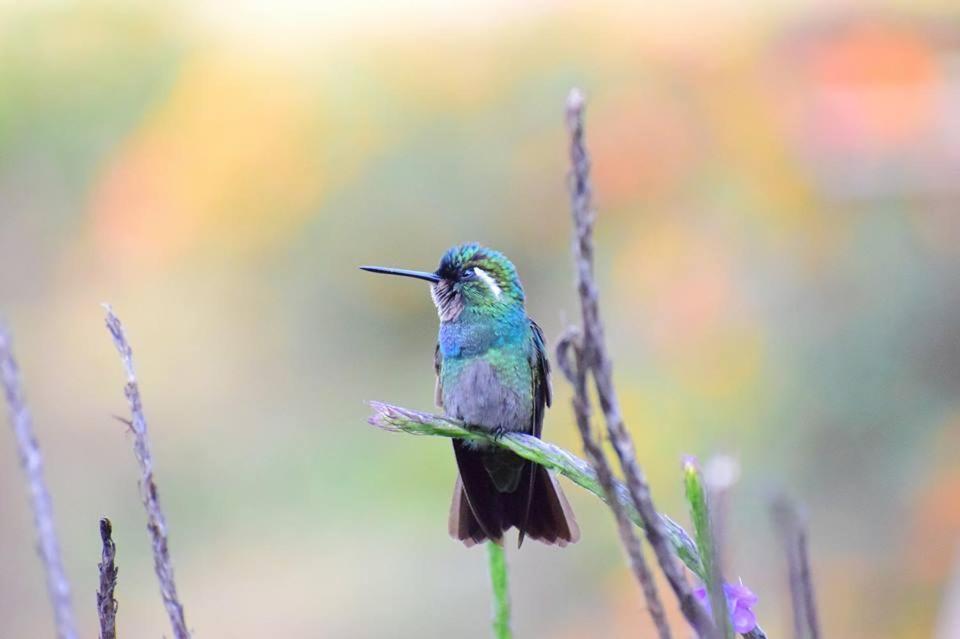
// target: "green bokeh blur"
[[778, 241]]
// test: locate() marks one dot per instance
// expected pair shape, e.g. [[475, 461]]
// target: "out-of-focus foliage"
[[778, 243]]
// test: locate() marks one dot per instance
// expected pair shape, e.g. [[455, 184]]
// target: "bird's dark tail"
[[536, 506]]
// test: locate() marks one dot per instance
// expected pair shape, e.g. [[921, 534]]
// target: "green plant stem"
[[397, 419], [706, 544], [501, 591]]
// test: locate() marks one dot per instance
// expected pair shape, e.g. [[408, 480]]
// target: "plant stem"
[[789, 521], [501, 591], [597, 357], [32, 463], [569, 358], [156, 521], [706, 544], [106, 603]]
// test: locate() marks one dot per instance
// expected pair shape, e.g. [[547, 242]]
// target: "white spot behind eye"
[[489, 281]]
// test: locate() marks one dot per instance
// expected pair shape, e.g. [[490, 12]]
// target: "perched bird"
[[493, 374]]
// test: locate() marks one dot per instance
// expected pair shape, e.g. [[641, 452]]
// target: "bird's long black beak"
[[420, 275]]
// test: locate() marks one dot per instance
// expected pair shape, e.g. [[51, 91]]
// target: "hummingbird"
[[493, 374]]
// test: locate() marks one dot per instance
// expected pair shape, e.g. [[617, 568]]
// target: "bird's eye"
[[468, 274]]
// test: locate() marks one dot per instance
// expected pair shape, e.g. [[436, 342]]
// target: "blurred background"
[[778, 241]]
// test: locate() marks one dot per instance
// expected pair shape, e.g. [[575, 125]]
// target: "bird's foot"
[[498, 433]]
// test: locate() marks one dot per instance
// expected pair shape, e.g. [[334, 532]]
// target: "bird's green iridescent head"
[[470, 277], [473, 276]]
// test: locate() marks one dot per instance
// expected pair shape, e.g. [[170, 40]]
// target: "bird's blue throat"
[[474, 333]]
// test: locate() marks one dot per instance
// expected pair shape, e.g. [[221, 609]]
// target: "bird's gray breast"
[[478, 397]]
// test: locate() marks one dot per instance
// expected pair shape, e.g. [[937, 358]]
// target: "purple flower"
[[739, 601]]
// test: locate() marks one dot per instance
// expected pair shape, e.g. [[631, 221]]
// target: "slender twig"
[[156, 522], [58, 588], [576, 374], [598, 360], [106, 603], [790, 524], [501, 591]]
